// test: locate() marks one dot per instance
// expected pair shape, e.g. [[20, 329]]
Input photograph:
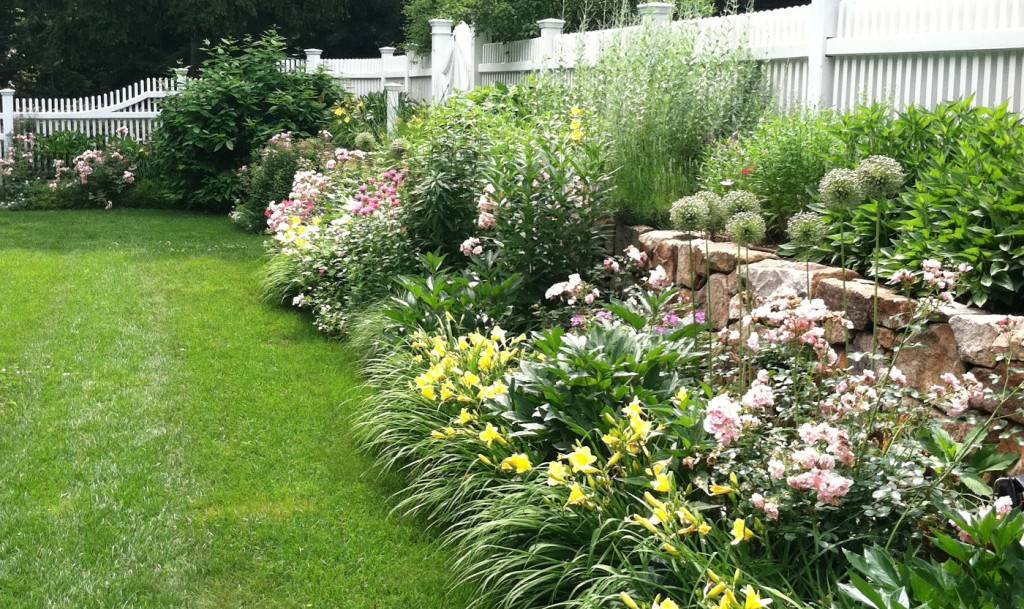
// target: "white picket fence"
[[831, 53]]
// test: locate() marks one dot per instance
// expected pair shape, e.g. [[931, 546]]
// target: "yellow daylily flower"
[[733, 479], [721, 489], [581, 460], [465, 417], [437, 435], [686, 516], [664, 604], [520, 462], [447, 392], [753, 599], [661, 483], [577, 497], [462, 344], [469, 380], [497, 334], [633, 409], [715, 591], [485, 460], [576, 111], [557, 473], [670, 549], [490, 434], [728, 601], [492, 391], [628, 601], [645, 523], [615, 458], [653, 501], [682, 395], [639, 426], [704, 528], [428, 392], [740, 532]]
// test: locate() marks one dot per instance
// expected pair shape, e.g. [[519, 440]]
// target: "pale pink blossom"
[[723, 420]]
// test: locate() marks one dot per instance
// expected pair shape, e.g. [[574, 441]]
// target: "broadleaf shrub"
[[781, 161], [243, 98]]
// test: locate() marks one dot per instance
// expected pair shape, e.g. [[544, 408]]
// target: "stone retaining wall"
[[961, 338]]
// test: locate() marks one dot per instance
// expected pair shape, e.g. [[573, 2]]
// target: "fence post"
[[656, 13], [387, 55], [180, 78], [8, 118], [313, 60], [550, 36], [394, 93], [821, 67], [479, 40], [440, 56]]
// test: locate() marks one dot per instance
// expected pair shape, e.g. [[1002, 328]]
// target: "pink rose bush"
[[101, 174]]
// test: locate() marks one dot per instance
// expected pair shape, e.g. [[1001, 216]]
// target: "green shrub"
[[963, 203], [980, 570], [269, 178], [475, 299], [659, 106], [243, 98], [546, 202], [445, 156], [781, 161], [968, 207]]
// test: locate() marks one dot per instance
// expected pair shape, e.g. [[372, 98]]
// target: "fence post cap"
[[181, 71], [387, 50], [7, 91], [313, 51], [441, 26], [551, 24], [656, 10], [394, 86]]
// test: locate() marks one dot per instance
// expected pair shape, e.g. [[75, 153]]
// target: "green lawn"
[[166, 440]]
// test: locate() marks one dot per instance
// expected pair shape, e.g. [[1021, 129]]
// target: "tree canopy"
[[74, 47]]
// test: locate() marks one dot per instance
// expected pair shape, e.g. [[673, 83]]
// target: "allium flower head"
[[806, 228], [739, 201], [841, 188], [881, 176], [690, 214], [365, 141], [746, 228], [399, 147]]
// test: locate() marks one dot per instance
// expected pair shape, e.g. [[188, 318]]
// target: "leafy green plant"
[[216, 124], [982, 569], [969, 208], [477, 298], [780, 161], [445, 158], [658, 107], [546, 202]]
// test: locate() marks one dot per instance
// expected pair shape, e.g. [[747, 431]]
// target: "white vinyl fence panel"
[[831, 53]]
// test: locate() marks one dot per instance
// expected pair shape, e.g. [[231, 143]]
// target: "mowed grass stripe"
[[199, 454]]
